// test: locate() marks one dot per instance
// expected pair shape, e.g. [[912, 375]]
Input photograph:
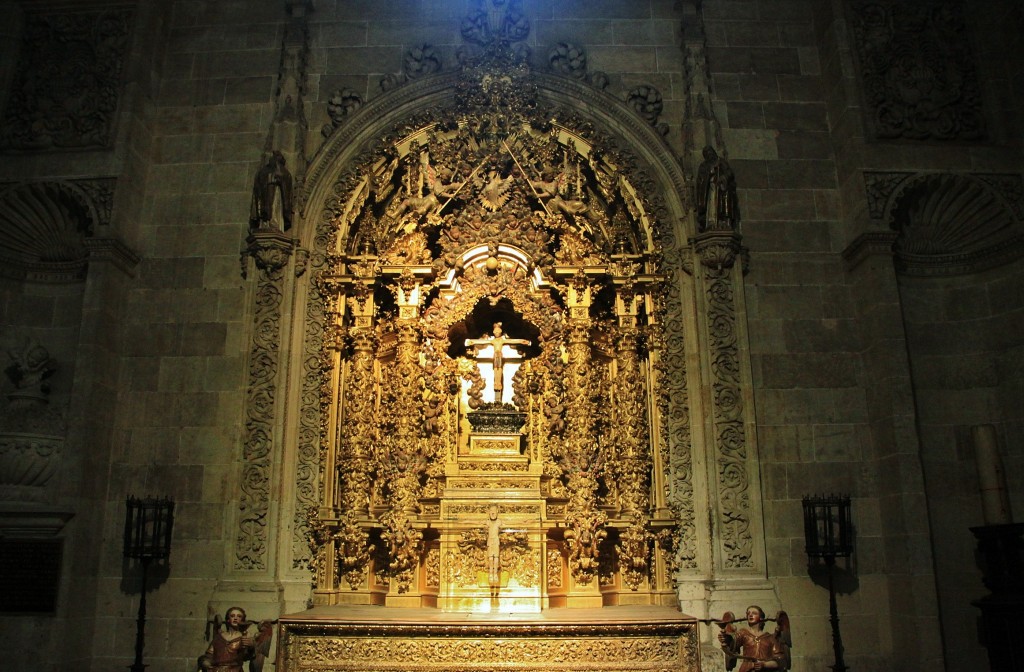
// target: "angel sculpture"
[[752, 646], [231, 645]]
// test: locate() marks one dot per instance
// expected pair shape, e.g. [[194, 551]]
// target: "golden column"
[[401, 457], [581, 454], [632, 463]]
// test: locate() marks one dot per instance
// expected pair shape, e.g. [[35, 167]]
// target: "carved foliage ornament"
[[919, 75], [66, 89], [270, 251], [571, 60], [501, 172]]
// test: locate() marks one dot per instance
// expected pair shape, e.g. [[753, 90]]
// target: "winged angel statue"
[[231, 645], [752, 646]]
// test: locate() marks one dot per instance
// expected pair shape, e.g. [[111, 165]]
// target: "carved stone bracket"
[[718, 250]]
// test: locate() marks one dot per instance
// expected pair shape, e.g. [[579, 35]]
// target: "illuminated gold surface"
[[368, 639], [420, 438]]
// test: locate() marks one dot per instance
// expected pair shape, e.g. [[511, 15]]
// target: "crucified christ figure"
[[498, 340]]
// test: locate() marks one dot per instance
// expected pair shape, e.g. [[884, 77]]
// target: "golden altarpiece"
[[503, 286]]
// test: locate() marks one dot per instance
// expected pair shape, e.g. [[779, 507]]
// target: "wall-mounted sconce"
[[828, 534], [147, 536]]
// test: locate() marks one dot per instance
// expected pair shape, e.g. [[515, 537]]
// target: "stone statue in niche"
[[752, 646], [231, 644], [272, 195], [497, 340], [30, 366], [716, 194]]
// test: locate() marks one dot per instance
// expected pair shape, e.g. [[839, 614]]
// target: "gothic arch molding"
[[648, 277]]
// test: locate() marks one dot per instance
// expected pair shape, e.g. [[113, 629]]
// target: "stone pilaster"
[[270, 252]]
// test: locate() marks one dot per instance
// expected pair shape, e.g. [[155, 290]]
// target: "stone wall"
[[965, 345], [864, 381]]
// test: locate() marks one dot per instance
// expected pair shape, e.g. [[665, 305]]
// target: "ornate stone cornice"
[[113, 250], [868, 245]]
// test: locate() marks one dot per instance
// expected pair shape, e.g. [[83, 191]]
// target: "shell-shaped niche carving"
[[944, 219], [43, 223]]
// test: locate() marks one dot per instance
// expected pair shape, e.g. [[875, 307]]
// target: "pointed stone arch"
[[343, 198]]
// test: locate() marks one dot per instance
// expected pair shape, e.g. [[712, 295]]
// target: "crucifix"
[[498, 341]]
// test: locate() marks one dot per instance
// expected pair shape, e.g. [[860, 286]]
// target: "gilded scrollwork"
[[554, 568], [579, 648], [354, 550], [432, 564], [498, 208]]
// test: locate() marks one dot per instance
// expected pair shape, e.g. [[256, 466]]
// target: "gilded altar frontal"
[[494, 335]]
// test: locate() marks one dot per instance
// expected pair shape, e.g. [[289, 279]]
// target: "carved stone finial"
[[31, 432]]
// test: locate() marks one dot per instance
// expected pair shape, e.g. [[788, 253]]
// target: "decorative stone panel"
[[66, 90], [918, 70]]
